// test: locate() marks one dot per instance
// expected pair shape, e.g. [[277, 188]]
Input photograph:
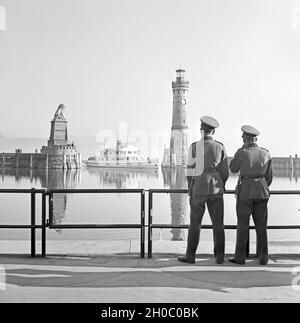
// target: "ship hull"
[[123, 166]]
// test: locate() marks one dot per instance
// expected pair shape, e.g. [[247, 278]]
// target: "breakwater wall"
[[38, 160], [282, 163]]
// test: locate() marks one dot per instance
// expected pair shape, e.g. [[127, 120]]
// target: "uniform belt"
[[209, 171], [206, 172], [251, 176]]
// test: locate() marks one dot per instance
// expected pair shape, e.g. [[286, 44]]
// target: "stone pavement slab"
[[114, 273]]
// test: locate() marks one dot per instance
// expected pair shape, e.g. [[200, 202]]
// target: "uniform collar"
[[208, 138], [250, 145]]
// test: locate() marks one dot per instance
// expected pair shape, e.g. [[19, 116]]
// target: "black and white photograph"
[[149, 154]]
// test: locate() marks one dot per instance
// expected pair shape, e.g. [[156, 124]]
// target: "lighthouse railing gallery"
[[47, 218]]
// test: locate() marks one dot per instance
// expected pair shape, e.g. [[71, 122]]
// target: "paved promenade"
[[98, 271]]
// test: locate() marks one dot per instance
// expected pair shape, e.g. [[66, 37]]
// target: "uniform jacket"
[[207, 167], [255, 166]]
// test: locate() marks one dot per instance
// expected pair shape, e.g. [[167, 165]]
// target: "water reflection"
[[175, 178], [47, 178], [72, 178], [60, 179], [20, 174], [291, 174], [123, 178]]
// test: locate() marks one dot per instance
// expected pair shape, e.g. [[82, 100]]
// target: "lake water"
[[125, 208]]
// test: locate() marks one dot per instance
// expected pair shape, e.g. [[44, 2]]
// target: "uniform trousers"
[[215, 205], [259, 211]]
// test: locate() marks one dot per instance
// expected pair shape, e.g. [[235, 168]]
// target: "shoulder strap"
[[264, 149], [219, 142]]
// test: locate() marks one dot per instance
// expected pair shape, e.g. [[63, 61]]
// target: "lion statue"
[[59, 112]]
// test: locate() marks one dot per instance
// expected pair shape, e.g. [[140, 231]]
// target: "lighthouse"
[[176, 155]]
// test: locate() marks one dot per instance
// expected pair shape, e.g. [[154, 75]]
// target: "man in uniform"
[[207, 173], [255, 166]]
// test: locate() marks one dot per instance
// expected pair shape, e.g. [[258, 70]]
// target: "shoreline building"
[[176, 155], [60, 153]]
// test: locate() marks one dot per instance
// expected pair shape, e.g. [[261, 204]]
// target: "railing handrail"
[[96, 190], [184, 190], [75, 190], [124, 190], [226, 226], [22, 190]]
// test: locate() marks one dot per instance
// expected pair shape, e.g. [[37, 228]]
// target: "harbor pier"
[[60, 152]]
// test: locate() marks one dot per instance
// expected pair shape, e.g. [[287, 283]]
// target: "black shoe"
[[232, 260], [264, 262], [220, 260], [189, 260]]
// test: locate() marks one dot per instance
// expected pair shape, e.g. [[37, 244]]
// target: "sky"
[[111, 62]]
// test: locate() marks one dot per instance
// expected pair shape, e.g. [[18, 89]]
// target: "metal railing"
[[51, 225], [32, 226], [152, 226], [141, 225]]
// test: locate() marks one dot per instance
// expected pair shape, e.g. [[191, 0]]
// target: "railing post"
[[142, 253], [257, 247], [248, 245], [32, 222], [50, 208], [150, 206], [44, 224]]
